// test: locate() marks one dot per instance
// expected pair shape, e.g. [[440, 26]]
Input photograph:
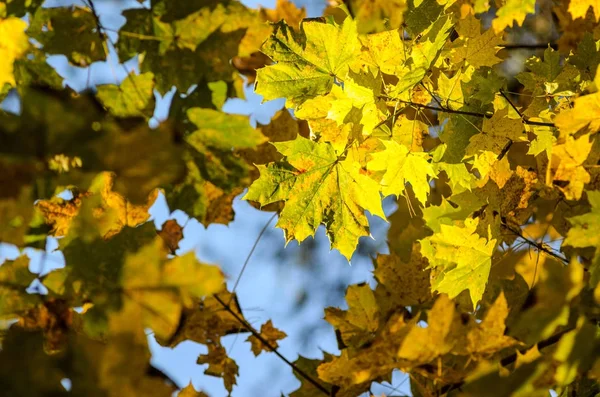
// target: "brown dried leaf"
[[268, 333], [172, 234]]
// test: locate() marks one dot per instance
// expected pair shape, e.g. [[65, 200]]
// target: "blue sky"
[[277, 278]]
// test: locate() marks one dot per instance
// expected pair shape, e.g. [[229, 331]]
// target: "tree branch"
[[538, 246], [522, 46], [258, 336], [453, 111]]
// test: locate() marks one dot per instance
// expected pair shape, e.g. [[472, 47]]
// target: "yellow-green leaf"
[[318, 188]]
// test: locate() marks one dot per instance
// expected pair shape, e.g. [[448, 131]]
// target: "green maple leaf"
[[220, 130], [197, 41], [400, 167], [584, 233], [422, 55], [543, 142], [587, 56], [318, 187], [463, 257], [19, 8], [308, 61], [15, 278], [134, 97], [54, 29]]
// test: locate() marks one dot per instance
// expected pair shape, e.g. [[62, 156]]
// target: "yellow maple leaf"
[[512, 11], [586, 112], [13, 44], [578, 8], [114, 212]]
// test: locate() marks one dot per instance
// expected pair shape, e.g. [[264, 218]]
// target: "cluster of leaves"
[[492, 284]]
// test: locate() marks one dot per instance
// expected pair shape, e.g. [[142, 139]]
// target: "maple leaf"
[[568, 159], [512, 11], [318, 188], [358, 324], [307, 61], [307, 388], [207, 321], [172, 234], [284, 10], [53, 28], [222, 131], [161, 287], [15, 278], [463, 258], [497, 132], [220, 365], [583, 233], [211, 32], [109, 209], [190, 391], [268, 333], [585, 113], [557, 286], [402, 166], [14, 44], [391, 271], [376, 15], [202, 199], [578, 8], [480, 50], [543, 142], [421, 56], [134, 97]]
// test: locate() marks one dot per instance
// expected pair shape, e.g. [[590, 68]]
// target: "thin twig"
[[538, 246], [536, 46], [258, 336], [512, 104], [237, 281], [463, 112]]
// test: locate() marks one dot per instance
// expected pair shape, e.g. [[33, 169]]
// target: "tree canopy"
[[480, 118]]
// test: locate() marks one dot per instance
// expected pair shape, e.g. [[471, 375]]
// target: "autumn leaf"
[[269, 334], [358, 324], [496, 134], [15, 278], [585, 112], [319, 188], [172, 234], [582, 234], [13, 45], [462, 257], [578, 8], [512, 11], [134, 97], [220, 365], [480, 50], [401, 167], [304, 70]]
